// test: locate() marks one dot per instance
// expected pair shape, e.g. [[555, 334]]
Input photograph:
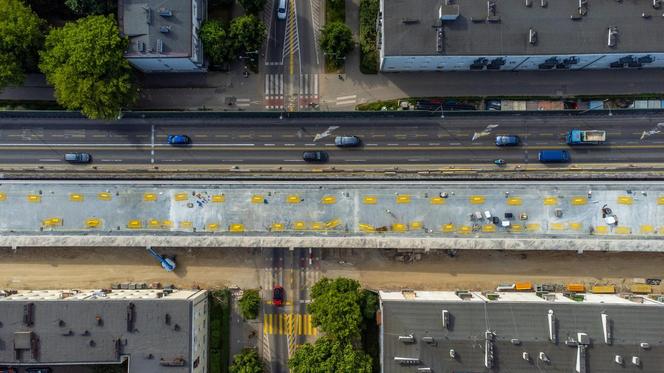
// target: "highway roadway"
[[386, 141]]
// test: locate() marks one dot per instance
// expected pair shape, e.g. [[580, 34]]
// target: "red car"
[[278, 296]]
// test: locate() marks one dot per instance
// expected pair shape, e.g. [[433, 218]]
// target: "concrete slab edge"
[[370, 242]]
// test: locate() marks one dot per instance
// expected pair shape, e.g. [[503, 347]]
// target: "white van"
[[281, 10]]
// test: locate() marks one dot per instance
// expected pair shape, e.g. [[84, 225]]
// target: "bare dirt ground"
[[33, 268]]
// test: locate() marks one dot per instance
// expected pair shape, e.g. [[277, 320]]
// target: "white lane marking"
[[434, 143], [49, 160], [372, 144], [232, 160], [171, 160], [42, 145], [310, 144], [293, 160], [289, 144], [111, 160], [356, 160], [152, 146], [414, 144], [392, 144], [455, 143], [329, 144], [268, 144], [418, 159], [267, 84]]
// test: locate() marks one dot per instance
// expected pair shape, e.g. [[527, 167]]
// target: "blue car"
[[507, 140], [179, 139]]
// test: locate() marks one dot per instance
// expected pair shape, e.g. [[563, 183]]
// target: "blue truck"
[[553, 156], [585, 137]]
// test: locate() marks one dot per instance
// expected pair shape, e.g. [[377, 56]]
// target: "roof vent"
[[165, 29], [656, 4], [583, 7], [532, 36], [407, 338], [529, 3], [410, 21], [165, 12], [140, 46], [160, 46], [148, 15], [618, 360], [613, 37]]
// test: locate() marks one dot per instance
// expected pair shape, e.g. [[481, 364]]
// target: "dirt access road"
[[32, 268]]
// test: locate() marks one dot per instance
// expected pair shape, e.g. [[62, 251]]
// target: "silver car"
[[78, 157], [347, 141]]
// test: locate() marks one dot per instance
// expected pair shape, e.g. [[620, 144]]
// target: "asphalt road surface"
[[386, 141]]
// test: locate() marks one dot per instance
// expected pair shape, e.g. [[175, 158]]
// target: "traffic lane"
[[55, 156], [308, 49], [276, 35]]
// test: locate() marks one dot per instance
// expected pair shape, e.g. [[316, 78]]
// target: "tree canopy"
[[336, 40], [328, 355], [20, 39], [87, 7], [247, 361], [247, 33], [335, 307], [252, 6], [85, 64], [250, 304], [216, 42]]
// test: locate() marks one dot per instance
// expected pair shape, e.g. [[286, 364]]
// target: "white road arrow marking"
[[327, 133], [486, 132]]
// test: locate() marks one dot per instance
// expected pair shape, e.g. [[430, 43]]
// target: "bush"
[[335, 11], [250, 304], [20, 39], [219, 345], [247, 361], [252, 6], [336, 41], [217, 45]]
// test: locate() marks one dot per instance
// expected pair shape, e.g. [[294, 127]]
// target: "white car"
[[281, 10]]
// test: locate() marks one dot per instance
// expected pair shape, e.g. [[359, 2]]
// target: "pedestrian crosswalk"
[[274, 91], [308, 91], [346, 100], [288, 324]]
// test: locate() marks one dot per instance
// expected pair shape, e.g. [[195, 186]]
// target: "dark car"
[[78, 157], [315, 156], [347, 141], [179, 139], [278, 296], [507, 140], [7, 370]]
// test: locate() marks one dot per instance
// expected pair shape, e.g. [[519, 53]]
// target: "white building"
[[163, 34], [461, 35], [153, 330]]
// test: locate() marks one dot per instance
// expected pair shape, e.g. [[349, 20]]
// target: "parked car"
[[179, 139], [39, 370], [347, 141], [507, 140], [7, 370], [278, 296], [78, 157], [316, 156]]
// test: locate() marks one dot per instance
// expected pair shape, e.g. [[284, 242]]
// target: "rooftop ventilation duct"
[[532, 36], [606, 328], [551, 321], [613, 37]]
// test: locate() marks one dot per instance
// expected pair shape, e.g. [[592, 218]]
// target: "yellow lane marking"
[[576, 226], [104, 196], [514, 201], [516, 228], [625, 200], [464, 229], [154, 224], [367, 228], [329, 200], [34, 198], [601, 229], [236, 228], [3, 197], [488, 228], [185, 224], [288, 324], [213, 227], [92, 222], [416, 225], [369, 200], [403, 198], [647, 229], [623, 230], [52, 222], [533, 227], [317, 226], [299, 225], [447, 228], [293, 199], [476, 200], [181, 197], [134, 224], [333, 224], [399, 227], [557, 226], [75, 197], [149, 197], [437, 200], [218, 198], [257, 198], [660, 200], [550, 201], [579, 201], [277, 227], [166, 224]]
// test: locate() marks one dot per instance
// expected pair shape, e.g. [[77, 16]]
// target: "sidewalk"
[[34, 88]]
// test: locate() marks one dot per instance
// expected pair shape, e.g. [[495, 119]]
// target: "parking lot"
[[481, 210]]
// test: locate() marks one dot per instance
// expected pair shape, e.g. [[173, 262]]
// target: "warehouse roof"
[[78, 327], [560, 27], [516, 327]]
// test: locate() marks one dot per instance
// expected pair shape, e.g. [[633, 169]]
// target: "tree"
[[87, 7], [247, 362], [20, 38], [250, 304], [252, 6], [336, 41], [247, 33], [328, 355], [335, 307], [85, 64], [216, 43]]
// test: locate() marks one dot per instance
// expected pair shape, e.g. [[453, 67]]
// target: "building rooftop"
[[560, 27], [515, 327], [157, 27], [152, 327]]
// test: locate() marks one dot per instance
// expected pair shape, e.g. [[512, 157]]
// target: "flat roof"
[[144, 22], [527, 322], [409, 31], [85, 328]]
